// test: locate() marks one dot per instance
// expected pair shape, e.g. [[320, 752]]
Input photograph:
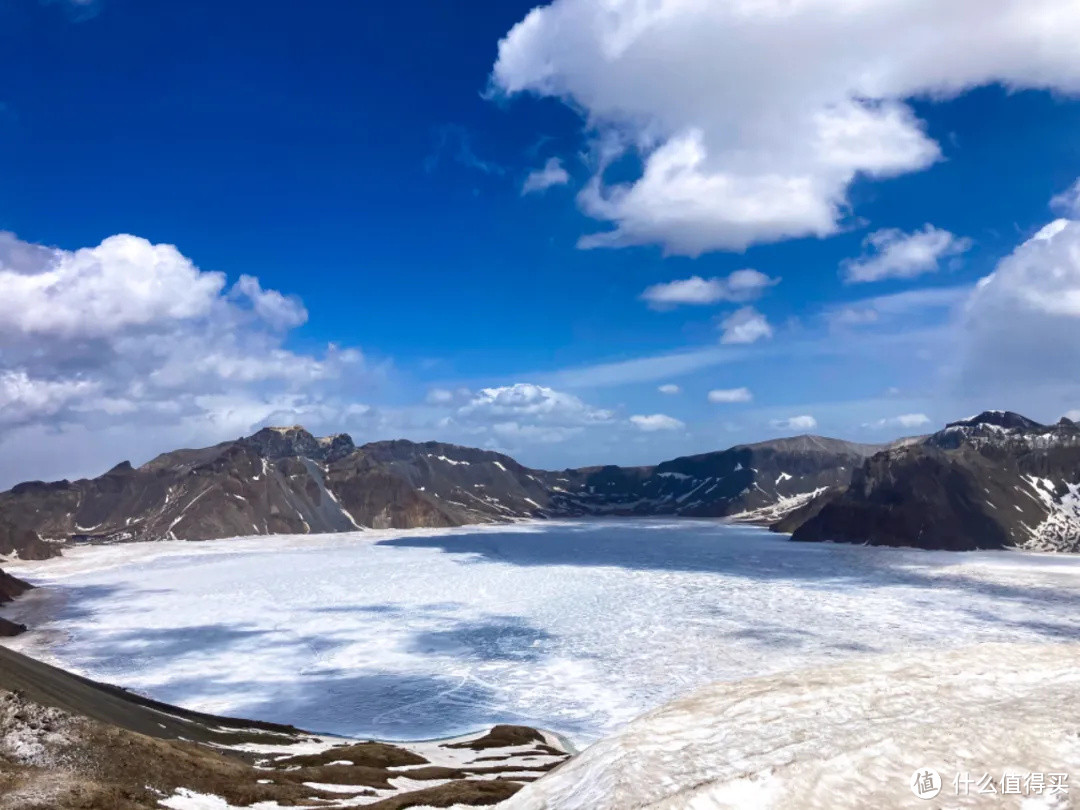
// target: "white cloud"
[[907, 306], [656, 421], [745, 325], [1067, 203], [891, 253], [133, 336], [730, 395], [641, 369], [1020, 326], [440, 396], [1073, 415], [536, 402], [906, 421], [670, 389], [125, 282], [551, 174], [766, 111], [277, 310], [742, 285], [23, 398], [795, 423]]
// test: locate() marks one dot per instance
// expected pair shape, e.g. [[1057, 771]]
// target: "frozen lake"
[[577, 627]]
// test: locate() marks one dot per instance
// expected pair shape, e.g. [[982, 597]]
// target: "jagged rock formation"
[[996, 480], [287, 481], [280, 480]]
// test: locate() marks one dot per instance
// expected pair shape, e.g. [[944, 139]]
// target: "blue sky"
[[369, 161]]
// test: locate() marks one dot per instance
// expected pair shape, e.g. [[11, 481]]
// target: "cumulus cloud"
[[1067, 203], [730, 395], [1019, 327], [907, 421], [521, 414], [742, 285], [891, 253], [534, 401], [804, 422], [132, 335], [124, 283], [766, 111], [551, 174], [669, 388], [277, 310], [655, 422], [745, 325]]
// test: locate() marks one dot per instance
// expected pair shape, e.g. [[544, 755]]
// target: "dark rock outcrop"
[[10, 589], [996, 480]]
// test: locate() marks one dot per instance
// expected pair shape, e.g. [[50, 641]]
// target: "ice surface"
[[577, 627], [846, 737]]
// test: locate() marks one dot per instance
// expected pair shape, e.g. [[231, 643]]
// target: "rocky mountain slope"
[[776, 475], [285, 480], [280, 480], [10, 589], [996, 480], [70, 743]]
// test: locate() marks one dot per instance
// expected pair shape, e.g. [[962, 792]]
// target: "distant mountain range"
[[993, 481]]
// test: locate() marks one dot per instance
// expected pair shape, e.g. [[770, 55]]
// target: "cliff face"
[[997, 480], [11, 588], [287, 481]]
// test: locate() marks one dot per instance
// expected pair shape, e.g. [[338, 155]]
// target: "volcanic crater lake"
[[575, 626]]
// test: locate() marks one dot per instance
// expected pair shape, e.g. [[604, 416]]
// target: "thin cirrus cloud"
[[740, 286], [908, 306], [891, 253], [656, 422], [907, 421], [728, 164], [745, 325], [550, 174], [726, 396]]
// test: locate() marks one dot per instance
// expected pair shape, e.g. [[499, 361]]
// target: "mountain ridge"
[[285, 480], [994, 480]]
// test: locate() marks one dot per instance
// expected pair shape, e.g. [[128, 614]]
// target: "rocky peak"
[[1006, 420], [285, 442]]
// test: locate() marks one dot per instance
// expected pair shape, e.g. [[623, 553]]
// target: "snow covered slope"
[[850, 736]]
